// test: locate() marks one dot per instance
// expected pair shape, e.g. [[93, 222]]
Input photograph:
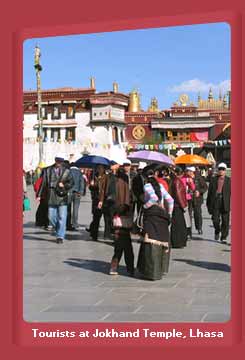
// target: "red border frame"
[[133, 15]]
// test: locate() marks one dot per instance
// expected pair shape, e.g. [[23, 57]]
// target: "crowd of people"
[[151, 203]]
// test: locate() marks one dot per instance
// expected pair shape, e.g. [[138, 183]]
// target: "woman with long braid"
[[153, 260]]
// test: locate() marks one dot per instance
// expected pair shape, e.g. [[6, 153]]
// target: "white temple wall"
[[28, 126], [94, 142]]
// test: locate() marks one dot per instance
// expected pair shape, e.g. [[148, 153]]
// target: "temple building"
[[75, 122], [79, 121], [185, 127]]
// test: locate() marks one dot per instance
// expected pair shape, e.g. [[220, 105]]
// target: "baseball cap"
[[222, 165], [127, 162], [191, 168], [59, 157]]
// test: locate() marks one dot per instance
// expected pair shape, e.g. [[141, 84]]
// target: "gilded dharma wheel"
[[138, 132]]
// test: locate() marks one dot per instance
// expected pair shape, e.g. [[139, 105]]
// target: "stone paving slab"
[[70, 282]]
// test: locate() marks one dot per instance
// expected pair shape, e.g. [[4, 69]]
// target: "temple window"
[[70, 113], [122, 136], [178, 136], [44, 113], [56, 112], [115, 135], [55, 134], [70, 134]]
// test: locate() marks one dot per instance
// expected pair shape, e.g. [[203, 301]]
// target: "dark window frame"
[[73, 131], [67, 112], [45, 117], [59, 113]]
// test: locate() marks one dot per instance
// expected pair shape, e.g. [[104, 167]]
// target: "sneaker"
[[49, 228], [113, 272], [200, 232], [59, 240], [223, 240], [114, 266]]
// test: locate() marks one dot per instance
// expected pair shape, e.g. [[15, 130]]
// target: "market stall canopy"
[[189, 159], [150, 157]]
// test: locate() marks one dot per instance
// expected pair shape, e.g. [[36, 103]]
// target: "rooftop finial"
[[92, 82], [220, 94], [115, 87], [210, 94]]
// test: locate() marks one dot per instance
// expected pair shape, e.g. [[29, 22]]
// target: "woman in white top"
[[153, 260]]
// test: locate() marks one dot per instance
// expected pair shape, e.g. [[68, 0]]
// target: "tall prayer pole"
[[38, 69]]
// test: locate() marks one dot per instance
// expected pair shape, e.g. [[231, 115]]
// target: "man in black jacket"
[[57, 181], [218, 202]]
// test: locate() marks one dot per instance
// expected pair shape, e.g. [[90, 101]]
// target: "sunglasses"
[[221, 168]]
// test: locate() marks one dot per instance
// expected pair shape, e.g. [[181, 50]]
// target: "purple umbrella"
[[151, 156]]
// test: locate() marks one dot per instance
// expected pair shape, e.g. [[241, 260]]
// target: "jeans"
[[57, 217], [75, 208]]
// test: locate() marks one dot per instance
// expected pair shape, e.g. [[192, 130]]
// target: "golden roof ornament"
[[92, 82], [154, 105], [183, 98], [134, 101], [115, 87]]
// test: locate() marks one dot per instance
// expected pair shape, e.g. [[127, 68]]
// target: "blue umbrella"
[[91, 161]]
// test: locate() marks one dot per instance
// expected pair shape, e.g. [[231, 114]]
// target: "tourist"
[[178, 225], [159, 175], [218, 202], [76, 193], [138, 188], [86, 181], [57, 181], [153, 260], [41, 218], [24, 188], [197, 199], [95, 188], [127, 166], [124, 214], [107, 199], [188, 181]]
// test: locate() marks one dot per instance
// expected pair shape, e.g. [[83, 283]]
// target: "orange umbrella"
[[191, 160]]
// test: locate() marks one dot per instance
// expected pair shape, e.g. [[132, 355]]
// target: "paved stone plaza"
[[70, 281]]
